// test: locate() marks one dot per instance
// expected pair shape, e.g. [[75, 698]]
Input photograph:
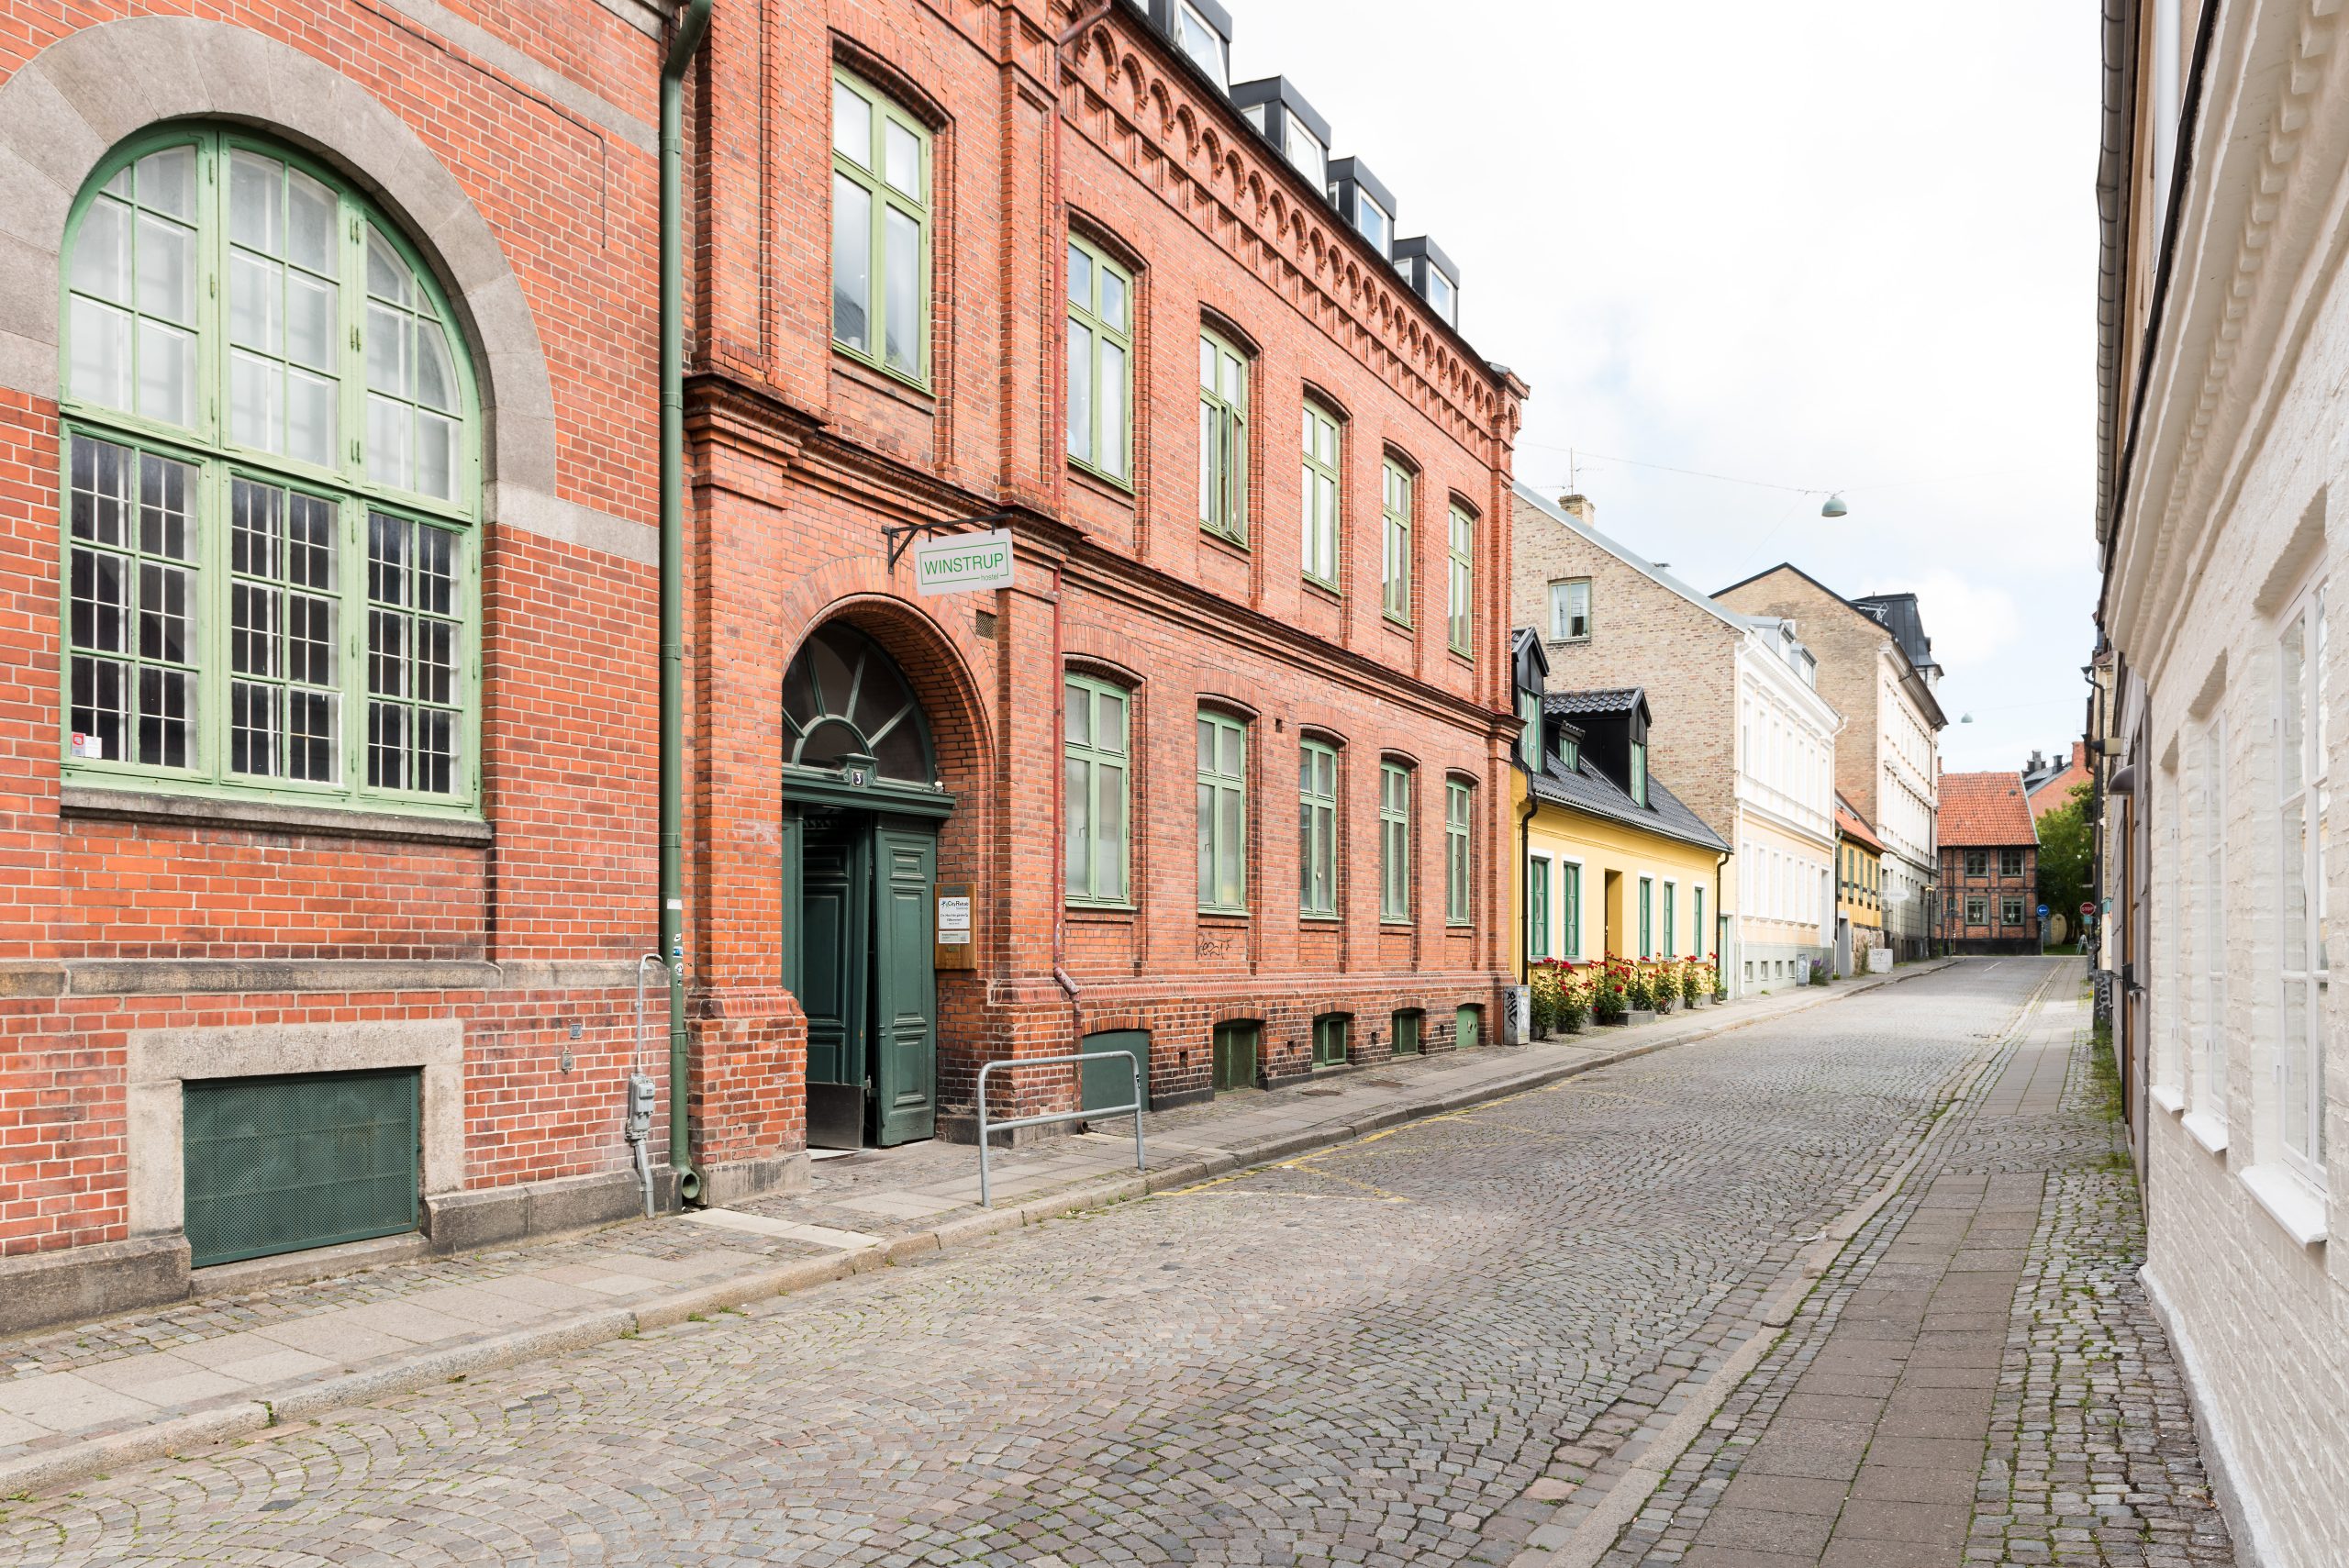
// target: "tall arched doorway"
[[861, 808]]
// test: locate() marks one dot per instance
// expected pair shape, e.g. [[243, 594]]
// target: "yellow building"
[[1610, 862], [1859, 888]]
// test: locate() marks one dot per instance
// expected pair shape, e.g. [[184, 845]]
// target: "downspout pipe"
[[693, 24]]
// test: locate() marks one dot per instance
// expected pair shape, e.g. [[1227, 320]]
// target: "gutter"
[[692, 25], [2114, 166]]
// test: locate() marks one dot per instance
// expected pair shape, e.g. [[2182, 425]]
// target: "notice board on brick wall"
[[957, 944]]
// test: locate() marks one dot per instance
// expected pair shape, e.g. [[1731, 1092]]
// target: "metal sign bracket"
[[901, 535]]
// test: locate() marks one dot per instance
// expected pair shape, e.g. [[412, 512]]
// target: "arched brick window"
[[271, 491]]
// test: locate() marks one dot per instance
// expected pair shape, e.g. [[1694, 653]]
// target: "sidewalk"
[[81, 1401]]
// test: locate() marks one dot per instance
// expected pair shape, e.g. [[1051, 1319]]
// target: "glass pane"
[[1235, 390], [1113, 408], [387, 745], [256, 393], [1080, 278], [1207, 747], [1210, 424], [1207, 843], [387, 351], [436, 455], [387, 434], [101, 354], [901, 317], [1078, 830], [101, 252], [253, 728], [312, 750], [100, 591], [386, 559], [162, 507], [1113, 301], [253, 629], [310, 308], [436, 662], [851, 263], [311, 210], [310, 418], [1109, 723], [256, 293], [852, 126], [1110, 868], [2295, 890], [167, 182], [1206, 364], [166, 702], [309, 543], [1229, 751], [435, 573], [256, 197], [436, 377], [902, 149], [164, 613], [1079, 702], [388, 275], [166, 374], [1080, 391], [166, 270], [309, 640], [1231, 834], [2291, 678], [98, 709]]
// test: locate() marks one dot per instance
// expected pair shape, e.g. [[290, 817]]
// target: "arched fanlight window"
[[270, 487], [845, 701]]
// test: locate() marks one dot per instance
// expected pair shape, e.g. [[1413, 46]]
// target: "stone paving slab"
[[237, 1361]]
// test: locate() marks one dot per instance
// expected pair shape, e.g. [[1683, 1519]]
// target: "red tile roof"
[[1986, 810], [1850, 824], [2054, 792]]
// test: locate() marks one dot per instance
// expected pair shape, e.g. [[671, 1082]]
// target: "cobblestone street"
[[1452, 1342]]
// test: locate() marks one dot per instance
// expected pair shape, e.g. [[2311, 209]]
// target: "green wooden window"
[[1223, 439], [1319, 494], [1537, 906], [1570, 908], [270, 478], [1223, 815], [1100, 362], [1529, 735], [1647, 917], [1330, 1032], [1317, 826], [1409, 1026], [1671, 932], [880, 230], [1638, 773], [1394, 572], [1700, 940], [1095, 790], [1394, 841], [1461, 597], [1233, 1054], [1459, 905]]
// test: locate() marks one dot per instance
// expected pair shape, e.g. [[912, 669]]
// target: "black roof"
[[1898, 612], [1612, 699], [1584, 788]]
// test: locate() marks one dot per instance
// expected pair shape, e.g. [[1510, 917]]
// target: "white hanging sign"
[[961, 564]]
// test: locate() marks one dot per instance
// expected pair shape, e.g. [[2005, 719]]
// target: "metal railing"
[[1133, 1072]]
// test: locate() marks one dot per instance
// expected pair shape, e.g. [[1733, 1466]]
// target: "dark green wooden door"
[[1109, 1083], [905, 986], [833, 890], [1407, 1032], [1235, 1055], [278, 1164]]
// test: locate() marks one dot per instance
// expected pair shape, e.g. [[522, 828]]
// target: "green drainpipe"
[[691, 27]]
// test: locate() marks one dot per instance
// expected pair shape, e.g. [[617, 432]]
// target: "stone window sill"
[[101, 804], [2208, 1131], [2290, 1201], [2169, 1099]]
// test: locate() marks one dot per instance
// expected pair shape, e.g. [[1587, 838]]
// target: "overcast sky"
[[1837, 243]]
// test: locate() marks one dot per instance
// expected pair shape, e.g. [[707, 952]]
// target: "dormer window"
[[1197, 38], [1638, 773], [1307, 154], [1431, 273], [1364, 202], [1377, 225], [1279, 112], [1444, 296]]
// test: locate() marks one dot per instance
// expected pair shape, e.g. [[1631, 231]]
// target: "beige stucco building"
[[1742, 729], [1876, 666], [2224, 349]]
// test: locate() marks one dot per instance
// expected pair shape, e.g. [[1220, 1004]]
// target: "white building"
[[1785, 838], [2224, 325]]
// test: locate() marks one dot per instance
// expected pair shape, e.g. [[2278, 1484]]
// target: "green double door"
[[865, 977]]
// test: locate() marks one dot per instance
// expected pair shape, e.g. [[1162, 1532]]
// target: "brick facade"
[[1998, 889], [517, 154]]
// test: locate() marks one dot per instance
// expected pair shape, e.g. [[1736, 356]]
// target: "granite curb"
[[402, 1373]]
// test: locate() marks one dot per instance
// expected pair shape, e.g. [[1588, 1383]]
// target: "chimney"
[[2037, 761], [1580, 507]]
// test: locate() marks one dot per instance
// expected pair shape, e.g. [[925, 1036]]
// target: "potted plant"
[[1696, 988], [1610, 999], [1574, 1001], [1664, 980], [1639, 995]]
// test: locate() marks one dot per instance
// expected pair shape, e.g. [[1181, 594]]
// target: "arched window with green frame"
[[270, 488]]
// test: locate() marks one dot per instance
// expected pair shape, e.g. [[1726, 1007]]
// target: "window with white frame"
[[2303, 777], [1570, 610], [2209, 971]]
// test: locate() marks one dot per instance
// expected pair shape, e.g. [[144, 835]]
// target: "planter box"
[[1640, 1016], [1611, 1023]]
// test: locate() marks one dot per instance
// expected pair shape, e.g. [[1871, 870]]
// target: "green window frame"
[[1698, 946], [1331, 1032], [1409, 1027], [269, 483], [1223, 814], [1461, 598], [1537, 906], [1223, 439], [1317, 827], [1096, 791], [1396, 484], [1647, 916], [1671, 932], [1394, 841], [1570, 908], [1459, 888], [1638, 773], [1100, 363], [1319, 494], [881, 263]]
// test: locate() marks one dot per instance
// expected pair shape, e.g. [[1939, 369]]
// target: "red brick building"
[[329, 392], [2050, 781], [1990, 866]]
